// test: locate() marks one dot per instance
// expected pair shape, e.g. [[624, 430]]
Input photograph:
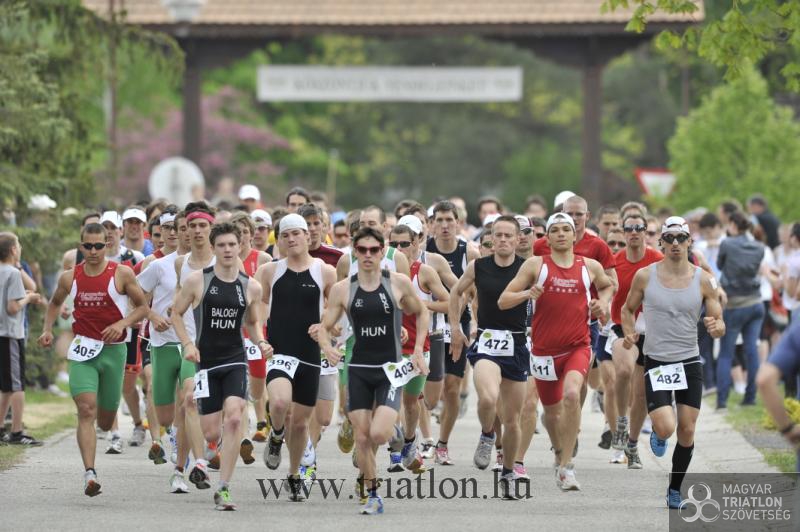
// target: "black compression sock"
[[681, 457]]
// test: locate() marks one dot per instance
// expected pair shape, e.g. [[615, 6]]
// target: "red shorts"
[[258, 368], [551, 392]]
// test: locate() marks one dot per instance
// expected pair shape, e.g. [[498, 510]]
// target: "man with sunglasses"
[[626, 366], [672, 292], [375, 300], [101, 289], [561, 354]]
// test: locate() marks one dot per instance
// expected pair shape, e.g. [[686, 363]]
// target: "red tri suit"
[[589, 246], [258, 368], [97, 303], [560, 325], [410, 320]]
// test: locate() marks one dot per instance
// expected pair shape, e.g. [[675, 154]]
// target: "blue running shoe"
[[673, 499], [374, 506], [395, 462], [657, 445]]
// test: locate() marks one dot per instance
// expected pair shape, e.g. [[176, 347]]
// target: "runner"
[[499, 356], [134, 221], [263, 223], [374, 299], [100, 289], [672, 293], [457, 254], [561, 354], [294, 291], [222, 299]]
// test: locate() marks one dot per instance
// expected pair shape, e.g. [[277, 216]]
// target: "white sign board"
[[276, 83], [656, 182], [176, 179]]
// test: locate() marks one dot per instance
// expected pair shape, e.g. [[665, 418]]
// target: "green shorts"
[[348, 354], [169, 371], [417, 384], [101, 375]]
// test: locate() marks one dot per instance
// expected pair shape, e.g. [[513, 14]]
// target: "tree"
[[738, 142]]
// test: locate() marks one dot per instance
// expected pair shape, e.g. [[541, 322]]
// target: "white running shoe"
[[115, 445], [483, 453], [177, 483], [566, 479], [138, 436], [618, 457], [309, 455], [498, 464]]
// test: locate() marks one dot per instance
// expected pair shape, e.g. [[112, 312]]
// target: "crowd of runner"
[[192, 313]]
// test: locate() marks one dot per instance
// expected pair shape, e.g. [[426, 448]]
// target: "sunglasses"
[[651, 233], [97, 245], [670, 238], [372, 250], [487, 244], [166, 228], [639, 228], [402, 245], [527, 231], [539, 234], [614, 243]]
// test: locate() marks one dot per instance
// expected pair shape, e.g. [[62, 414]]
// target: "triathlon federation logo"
[[706, 510]]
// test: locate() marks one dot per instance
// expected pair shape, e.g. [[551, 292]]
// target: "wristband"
[[788, 429]]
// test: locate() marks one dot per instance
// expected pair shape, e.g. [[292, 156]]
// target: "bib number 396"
[[325, 367], [283, 363], [82, 349], [201, 384], [496, 343], [543, 368], [399, 373], [668, 378]]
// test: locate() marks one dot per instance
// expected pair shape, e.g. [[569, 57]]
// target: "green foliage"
[[736, 143]]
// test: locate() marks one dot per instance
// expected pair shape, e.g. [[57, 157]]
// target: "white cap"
[[560, 218], [113, 217], [134, 213], [249, 192], [430, 211], [167, 218], [675, 224], [490, 218], [293, 221], [261, 218], [561, 197], [412, 222], [524, 222], [41, 202]]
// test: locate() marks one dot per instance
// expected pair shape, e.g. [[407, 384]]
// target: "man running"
[[295, 289], [374, 299], [560, 284], [222, 299], [499, 356], [673, 292], [100, 289]]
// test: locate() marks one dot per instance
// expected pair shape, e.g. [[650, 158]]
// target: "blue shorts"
[[513, 368], [599, 348]]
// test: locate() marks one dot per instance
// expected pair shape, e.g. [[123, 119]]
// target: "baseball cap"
[[675, 224], [113, 217], [560, 218], [293, 221], [561, 197], [249, 192], [134, 213], [490, 218], [412, 222], [261, 218], [524, 222]]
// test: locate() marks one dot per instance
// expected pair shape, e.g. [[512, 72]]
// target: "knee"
[[87, 411], [278, 405], [362, 439], [379, 437], [572, 396], [663, 429], [211, 434], [487, 400], [623, 373], [324, 418], [233, 421], [452, 387], [686, 432]]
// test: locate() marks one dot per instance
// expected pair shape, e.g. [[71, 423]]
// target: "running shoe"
[[410, 456], [345, 438], [498, 464], [442, 456], [657, 445], [199, 476], [617, 457], [632, 454], [222, 500], [91, 486], [508, 487], [673, 499], [177, 483], [156, 454], [295, 483], [23, 439], [309, 475], [212, 455], [605, 439], [598, 405], [397, 441], [173, 444], [260, 435], [521, 472], [115, 445], [246, 451], [647, 426], [566, 478], [483, 453], [620, 438], [272, 452], [354, 459], [428, 448], [373, 506], [138, 436], [395, 462], [309, 455]]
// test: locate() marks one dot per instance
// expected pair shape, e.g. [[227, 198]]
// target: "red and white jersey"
[[410, 320], [251, 263], [561, 318], [98, 304]]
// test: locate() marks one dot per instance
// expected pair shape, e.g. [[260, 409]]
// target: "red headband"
[[199, 214]]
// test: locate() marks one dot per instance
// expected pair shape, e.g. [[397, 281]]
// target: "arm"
[[253, 318], [438, 263], [401, 262], [343, 267], [263, 258], [454, 308], [605, 290], [411, 304], [68, 260], [519, 290], [432, 283], [336, 306], [125, 279], [178, 267], [633, 302], [328, 280], [54, 307], [188, 296], [713, 320]]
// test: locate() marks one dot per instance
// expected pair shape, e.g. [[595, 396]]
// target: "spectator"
[[757, 206], [726, 208], [790, 267], [250, 197]]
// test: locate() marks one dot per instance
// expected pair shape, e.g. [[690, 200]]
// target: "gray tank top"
[[671, 315]]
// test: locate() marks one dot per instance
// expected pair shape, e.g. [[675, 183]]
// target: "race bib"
[[201, 384], [496, 343], [399, 373], [252, 350], [446, 336], [668, 378], [82, 349], [610, 342], [325, 367], [543, 368], [283, 363]]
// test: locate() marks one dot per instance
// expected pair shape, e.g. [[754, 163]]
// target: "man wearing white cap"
[[115, 251], [250, 197], [134, 221], [263, 222], [560, 284], [672, 293]]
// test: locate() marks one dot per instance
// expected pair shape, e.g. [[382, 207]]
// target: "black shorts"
[[691, 396], [144, 347], [223, 382], [133, 361], [639, 345], [12, 364], [456, 368], [513, 368], [369, 388], [305, 383], [436, 365]]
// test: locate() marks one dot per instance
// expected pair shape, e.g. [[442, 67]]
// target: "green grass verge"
[[41, 405], [749, 420]]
